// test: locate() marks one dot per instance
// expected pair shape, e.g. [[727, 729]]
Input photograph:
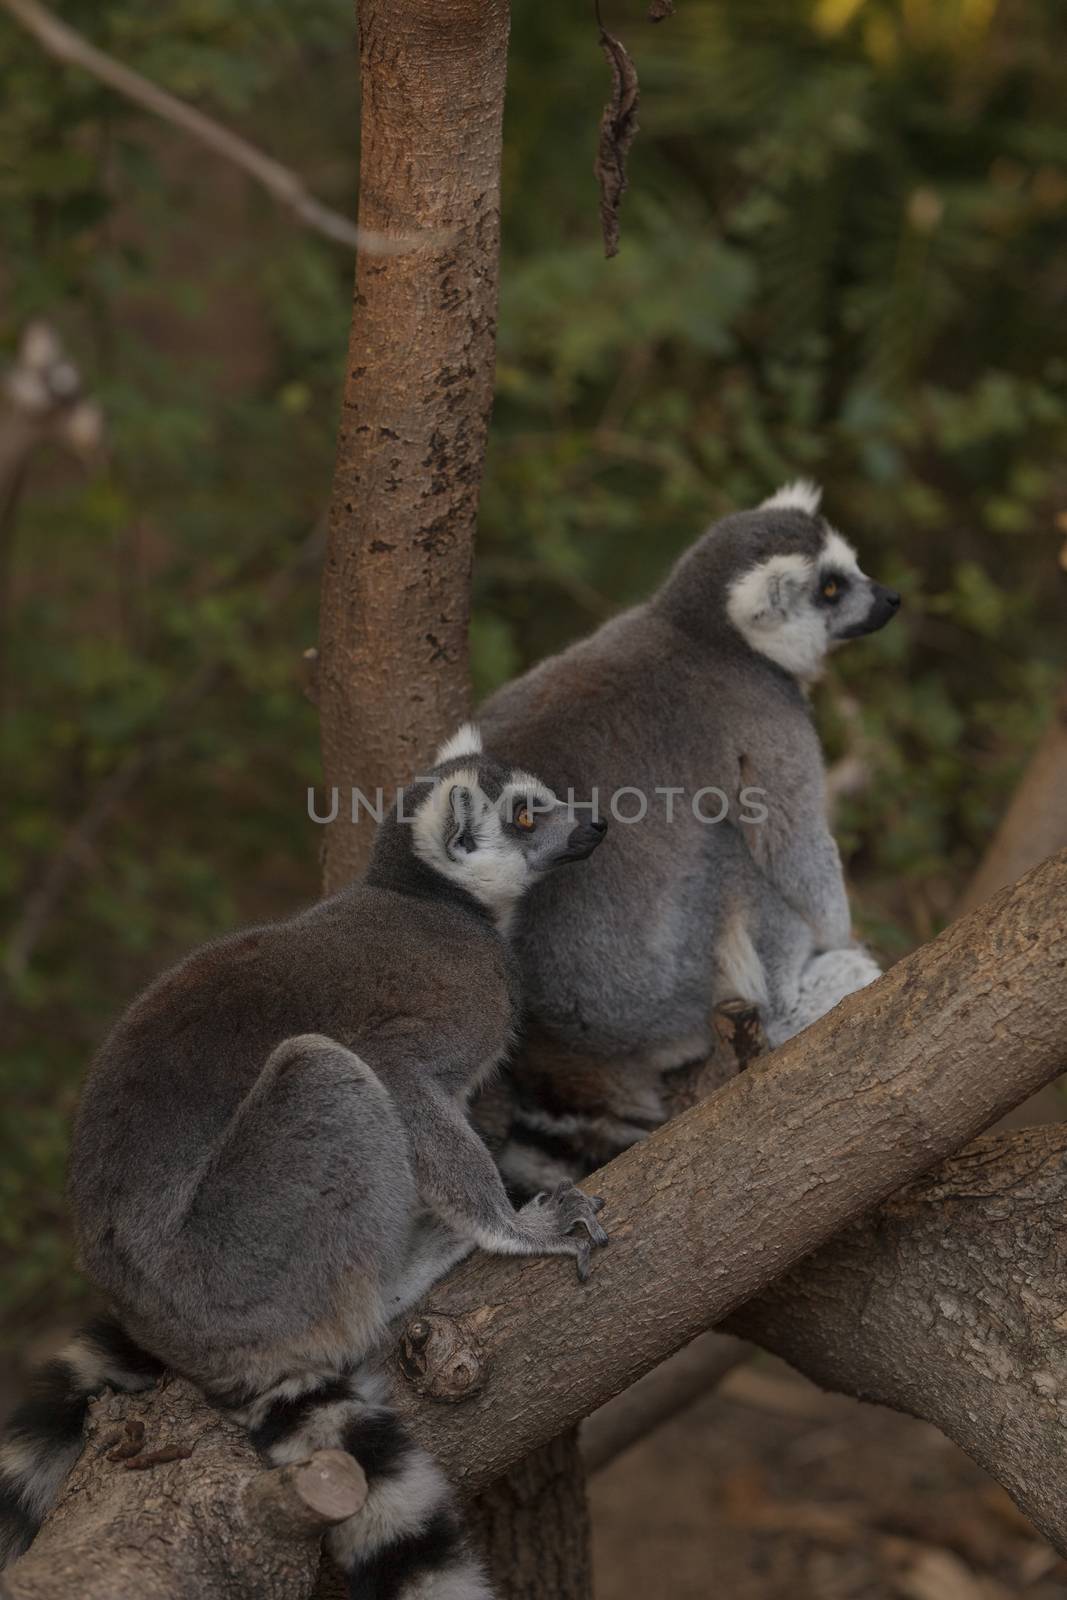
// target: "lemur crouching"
[[694, 704], [272, 1159]]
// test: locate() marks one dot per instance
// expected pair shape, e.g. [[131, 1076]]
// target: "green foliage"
[[842, 255]]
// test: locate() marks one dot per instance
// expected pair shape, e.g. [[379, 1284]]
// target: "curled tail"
[[43, 1437], [408, 1539]]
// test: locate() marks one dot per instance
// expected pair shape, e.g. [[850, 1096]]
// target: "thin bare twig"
[[70, 47]]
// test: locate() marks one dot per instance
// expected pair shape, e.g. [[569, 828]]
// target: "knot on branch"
[[441, 1358]]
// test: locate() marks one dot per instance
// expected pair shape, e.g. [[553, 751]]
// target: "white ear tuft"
[[466, 741], [800, 495]]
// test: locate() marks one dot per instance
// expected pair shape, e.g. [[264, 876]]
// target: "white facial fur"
[[773, 605], [494, 867], [837, 552]]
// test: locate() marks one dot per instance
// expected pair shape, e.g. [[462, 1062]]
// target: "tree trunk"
[[533, 1525], [393, 673]]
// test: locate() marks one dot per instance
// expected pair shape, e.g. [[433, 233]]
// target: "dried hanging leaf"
[[617, 128], [660, 9]]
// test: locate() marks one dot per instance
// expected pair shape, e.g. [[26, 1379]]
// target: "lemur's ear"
[[461, 830], [466, 741], [800, 495], [784, 589]]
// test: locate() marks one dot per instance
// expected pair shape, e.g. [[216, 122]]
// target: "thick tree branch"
[[533, 1525], [734, 1192], [418, 390], [951, 1304]]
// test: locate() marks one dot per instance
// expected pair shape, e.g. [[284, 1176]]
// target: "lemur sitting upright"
[[701, 688], [272, 1159]]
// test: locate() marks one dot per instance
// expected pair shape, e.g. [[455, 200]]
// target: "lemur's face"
[[495, 830], [795, 602]]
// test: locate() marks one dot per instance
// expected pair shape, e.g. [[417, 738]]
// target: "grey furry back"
[[699, 689]]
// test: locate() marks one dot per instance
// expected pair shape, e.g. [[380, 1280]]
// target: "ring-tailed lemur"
[[700, 689], [272, 1159]]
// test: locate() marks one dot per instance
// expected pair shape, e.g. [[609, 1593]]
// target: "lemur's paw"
[[561, 1212]]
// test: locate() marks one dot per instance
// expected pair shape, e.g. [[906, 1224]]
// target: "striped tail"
[[43, 1438], [408, 1540]]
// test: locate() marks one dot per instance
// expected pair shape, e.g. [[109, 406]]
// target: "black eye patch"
[[832, 585]]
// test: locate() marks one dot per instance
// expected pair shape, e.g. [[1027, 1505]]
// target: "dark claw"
[[594, 1230], [581, 1260]]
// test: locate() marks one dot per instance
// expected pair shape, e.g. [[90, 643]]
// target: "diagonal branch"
[[68, 46], [734, 1192]]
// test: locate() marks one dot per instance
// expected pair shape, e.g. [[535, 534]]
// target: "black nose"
[[583, 840], [885, 603]]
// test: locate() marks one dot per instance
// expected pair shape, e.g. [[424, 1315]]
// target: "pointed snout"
[[886, 597], [885, 603]]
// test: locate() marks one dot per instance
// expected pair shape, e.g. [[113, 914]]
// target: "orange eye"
[[829, 589], [524, 818]]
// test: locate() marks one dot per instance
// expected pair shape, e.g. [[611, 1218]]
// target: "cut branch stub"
[[306, 1497], [201, 1520]]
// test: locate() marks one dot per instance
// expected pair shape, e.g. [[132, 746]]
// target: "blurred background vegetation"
[[843, 255]]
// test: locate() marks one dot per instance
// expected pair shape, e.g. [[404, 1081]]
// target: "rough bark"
[[418, 389], [1035, 823], [951, 1304], [533, 1526], [210, 1522], [735, 1191]]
